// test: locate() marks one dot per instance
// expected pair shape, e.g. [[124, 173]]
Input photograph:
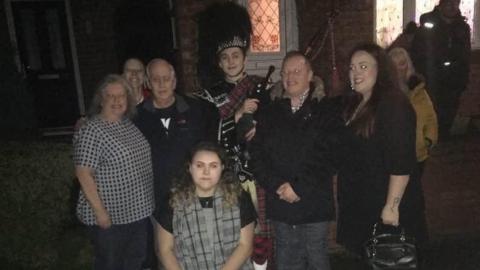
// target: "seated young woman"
[[210, 222]]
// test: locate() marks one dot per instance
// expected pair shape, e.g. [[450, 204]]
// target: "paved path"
[[452, 187]]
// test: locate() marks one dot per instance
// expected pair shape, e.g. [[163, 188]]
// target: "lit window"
[[389, 14], [423, 6], [389, 21], [265, 16]]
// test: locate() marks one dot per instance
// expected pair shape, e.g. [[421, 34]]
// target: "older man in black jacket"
[[172, 124], [293, 160]]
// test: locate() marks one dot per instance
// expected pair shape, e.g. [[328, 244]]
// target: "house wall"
[[94, 35], [186, 11]]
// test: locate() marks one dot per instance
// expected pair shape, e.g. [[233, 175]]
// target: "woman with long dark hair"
[[377, 151]]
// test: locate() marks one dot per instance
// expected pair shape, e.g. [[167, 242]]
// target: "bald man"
[[172, 123]]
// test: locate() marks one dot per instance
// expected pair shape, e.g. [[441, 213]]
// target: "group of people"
[[185, 173]]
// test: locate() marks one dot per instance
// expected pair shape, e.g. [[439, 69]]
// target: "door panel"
[[44, 48]]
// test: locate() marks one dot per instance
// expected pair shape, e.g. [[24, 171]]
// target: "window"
[[388, 21], [392, 15], [275, 33], [265, 16]]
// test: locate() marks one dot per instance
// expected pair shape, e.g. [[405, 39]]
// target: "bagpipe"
[[261, 92], [317, 43]]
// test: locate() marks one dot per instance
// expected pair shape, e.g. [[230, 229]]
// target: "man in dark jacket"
[[172, 124], [441, 52], [292, 160]]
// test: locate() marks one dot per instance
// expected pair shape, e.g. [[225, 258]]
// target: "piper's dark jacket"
[[297, 148]]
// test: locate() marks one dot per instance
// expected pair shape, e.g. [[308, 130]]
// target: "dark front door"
[[42, 35]]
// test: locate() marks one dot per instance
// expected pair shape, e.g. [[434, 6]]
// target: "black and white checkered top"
[[120, 158]]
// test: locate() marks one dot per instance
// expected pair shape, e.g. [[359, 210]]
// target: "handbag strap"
[[402, 231], [375, 240]]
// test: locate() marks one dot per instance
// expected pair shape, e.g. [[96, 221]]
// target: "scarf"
[[194, 248], [237, 96]]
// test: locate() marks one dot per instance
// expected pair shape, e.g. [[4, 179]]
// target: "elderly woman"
[[113, 166]]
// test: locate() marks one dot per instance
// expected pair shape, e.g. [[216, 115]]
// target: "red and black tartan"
[[263, 241], [237, 96], [263, 247]]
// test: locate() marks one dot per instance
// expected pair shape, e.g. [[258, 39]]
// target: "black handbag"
[[392, 251]]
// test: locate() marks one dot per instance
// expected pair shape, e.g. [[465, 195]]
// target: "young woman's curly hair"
[[183, 188]]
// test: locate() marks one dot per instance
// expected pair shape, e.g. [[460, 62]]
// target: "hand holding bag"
[[392, 251]]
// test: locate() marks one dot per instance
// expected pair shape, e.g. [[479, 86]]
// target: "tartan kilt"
[[264, 237]]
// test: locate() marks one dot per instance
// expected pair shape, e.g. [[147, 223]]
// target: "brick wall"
[[352, 25], [94, 35], [188, 40]]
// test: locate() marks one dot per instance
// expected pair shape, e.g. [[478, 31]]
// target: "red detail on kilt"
[[263, 248]]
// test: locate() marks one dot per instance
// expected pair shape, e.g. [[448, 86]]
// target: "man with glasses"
[[292, 161]]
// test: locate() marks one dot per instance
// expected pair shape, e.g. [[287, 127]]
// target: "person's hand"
[[103, 219], [390, 215], [250, 134], [286, 193], [80, 122], [250, 105]]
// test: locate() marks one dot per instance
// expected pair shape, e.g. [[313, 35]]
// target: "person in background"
[[292, 159], [113, 165], [211, 220], [404, 40], [413, 86], [441, 52], [376, 153], [134, 73]]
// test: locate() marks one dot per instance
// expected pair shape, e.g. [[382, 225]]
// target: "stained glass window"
[[389, 21], [265, 16]]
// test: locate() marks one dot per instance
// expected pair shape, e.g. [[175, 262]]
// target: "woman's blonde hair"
[[183, 188], [401, 53]]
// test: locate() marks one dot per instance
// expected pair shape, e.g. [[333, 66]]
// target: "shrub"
[[36, 180]]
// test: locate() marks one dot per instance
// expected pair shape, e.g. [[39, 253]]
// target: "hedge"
[[36, 209]]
